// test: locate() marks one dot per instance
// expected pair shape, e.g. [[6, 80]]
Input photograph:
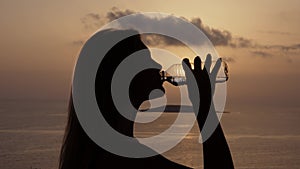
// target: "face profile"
[[141, 85]]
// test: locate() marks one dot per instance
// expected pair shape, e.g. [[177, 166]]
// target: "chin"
[[157, 93]]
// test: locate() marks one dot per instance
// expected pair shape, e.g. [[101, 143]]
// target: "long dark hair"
[[78, 150]]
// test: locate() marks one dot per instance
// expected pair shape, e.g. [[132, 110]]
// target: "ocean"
[[31, 133]]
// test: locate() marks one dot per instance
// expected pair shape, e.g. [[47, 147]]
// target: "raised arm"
[[216, 152]]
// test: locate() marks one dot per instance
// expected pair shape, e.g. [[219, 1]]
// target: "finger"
[[216, 69], [186, 65], [208, 63], [226, 70], [197, 64]]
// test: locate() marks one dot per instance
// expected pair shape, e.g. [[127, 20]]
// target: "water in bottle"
[[176, 75]]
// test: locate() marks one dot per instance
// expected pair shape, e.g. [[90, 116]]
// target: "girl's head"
[[140, 86], [78, 149]]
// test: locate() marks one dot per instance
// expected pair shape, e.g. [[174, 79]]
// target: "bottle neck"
[[176, 81]]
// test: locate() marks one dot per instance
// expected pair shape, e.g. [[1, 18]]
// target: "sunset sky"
[[40, 41]]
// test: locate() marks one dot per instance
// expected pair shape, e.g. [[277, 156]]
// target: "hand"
[[215, 149], [205, 85]]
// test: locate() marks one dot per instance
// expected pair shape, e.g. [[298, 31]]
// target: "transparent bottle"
[[176, 75]]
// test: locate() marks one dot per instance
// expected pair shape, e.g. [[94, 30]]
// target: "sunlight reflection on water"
[[31, 136]]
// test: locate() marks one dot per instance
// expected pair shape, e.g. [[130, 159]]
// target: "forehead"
[[130, 46]]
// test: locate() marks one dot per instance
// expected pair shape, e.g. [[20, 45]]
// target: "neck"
[[117, 121]]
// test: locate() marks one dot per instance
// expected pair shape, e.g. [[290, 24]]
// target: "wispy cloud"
[[261, 54], [285, 48], [92, 21], [78, 42], [228, 59], [274, 32]]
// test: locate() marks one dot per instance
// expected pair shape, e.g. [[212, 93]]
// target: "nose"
[[156, 65]]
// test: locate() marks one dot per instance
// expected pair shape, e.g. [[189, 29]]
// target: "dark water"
[[31, 134]]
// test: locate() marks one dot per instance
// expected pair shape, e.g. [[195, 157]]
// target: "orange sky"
[[38, 53]]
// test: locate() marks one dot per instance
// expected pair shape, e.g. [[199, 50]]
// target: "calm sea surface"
[[31, 134]]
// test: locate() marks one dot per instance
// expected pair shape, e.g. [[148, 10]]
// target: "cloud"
[[274, 32], [78, 42], [228, 59], [217, 36], [286, 48], [261, 54], [160, 40], [240, 42], [116, 13], [92, 21], [281, 48]]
